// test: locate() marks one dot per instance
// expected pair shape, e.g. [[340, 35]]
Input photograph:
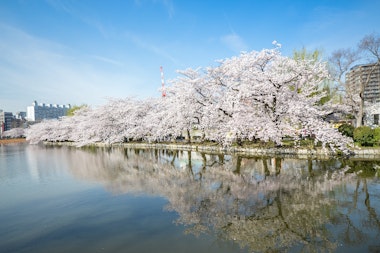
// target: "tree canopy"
[[258, 95], [74, 108]]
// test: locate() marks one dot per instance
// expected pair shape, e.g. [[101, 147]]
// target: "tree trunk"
[[188, 136], [238, 165], [359, 116]]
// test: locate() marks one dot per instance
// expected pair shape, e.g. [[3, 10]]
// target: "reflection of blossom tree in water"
[[276, 212], [262, 204]]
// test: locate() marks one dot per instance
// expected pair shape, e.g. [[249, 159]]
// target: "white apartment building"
[[38, 112]]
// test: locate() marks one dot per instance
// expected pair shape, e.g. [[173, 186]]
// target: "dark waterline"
[[61, 199]]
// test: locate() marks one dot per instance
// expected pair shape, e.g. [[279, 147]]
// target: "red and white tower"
[[162, 82]]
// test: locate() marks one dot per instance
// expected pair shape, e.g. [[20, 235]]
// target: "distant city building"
[[368, 75], [19, 120], [359, 74], [6, 119], [38, 112], [20, 115]]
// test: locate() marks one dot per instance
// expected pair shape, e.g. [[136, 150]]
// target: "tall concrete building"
[[6, 119], [38, 112], [368, 75], [358, 75]]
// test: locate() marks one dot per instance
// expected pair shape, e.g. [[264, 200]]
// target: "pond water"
[[63, 199]]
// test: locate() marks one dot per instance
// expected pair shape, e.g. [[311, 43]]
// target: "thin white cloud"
[[169, 7], [107, 60], [79, 13], [139, 42], [168, 4], [33, 68], [334, 28], [234, 42], [63, 6]]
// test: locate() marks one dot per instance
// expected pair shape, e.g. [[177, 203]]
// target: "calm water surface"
[[62, 199]]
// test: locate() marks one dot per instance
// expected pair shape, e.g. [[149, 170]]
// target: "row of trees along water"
[[256, 96]]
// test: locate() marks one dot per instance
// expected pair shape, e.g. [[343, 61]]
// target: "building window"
[[376, 119]]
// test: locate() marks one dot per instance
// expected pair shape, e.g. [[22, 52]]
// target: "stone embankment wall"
[[366, 153]]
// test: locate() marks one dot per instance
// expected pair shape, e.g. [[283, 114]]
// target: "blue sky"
[[84, 51]]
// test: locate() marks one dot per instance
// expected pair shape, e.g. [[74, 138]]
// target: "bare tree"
[[369, 46], [344, 59], [341, 61]]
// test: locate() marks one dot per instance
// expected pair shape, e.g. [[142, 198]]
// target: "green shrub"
[[347, 129], [376, 136], [364, 136]]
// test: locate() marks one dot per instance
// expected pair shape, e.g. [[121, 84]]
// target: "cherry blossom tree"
[[264, 95], [186, 100], [258, 95], [153, 126], [14, 133], [47, 130]]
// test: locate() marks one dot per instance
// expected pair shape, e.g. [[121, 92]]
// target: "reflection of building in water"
[[45, 162]]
